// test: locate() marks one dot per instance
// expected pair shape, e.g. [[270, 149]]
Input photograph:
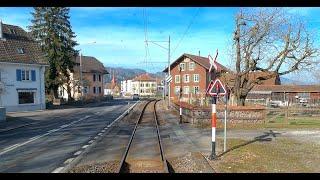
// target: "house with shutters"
[[22, 68], [193, 79], [92, 72]]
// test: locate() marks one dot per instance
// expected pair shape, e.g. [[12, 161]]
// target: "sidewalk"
[[12, 123]]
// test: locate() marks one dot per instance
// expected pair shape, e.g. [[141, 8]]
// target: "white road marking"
[[53, 130], [77, 153], [85, 146], [105, 128], [58, 170], [10, 148], [68, 160]]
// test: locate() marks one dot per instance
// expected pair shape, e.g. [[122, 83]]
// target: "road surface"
[[55, 137]]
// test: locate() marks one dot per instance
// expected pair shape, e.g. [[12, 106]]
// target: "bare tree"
[[268, 40]]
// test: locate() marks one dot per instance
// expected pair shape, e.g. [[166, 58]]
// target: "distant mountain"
[[127, 73], [287, 81]]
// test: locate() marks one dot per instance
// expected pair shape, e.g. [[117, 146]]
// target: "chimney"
[[199, 53], [1, 34]]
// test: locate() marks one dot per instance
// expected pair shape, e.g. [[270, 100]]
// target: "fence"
[[247, 114]]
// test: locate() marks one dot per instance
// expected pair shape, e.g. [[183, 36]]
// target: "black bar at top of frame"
[[160, 3]]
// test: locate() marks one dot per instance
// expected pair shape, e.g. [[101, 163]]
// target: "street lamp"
[[81, 79]]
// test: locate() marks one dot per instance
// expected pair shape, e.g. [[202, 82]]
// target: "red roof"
[[287, 88], [203, 61], [144, 77]]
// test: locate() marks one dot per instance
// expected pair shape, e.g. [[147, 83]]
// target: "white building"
[[144, 85], [22, 67], [126, 88]]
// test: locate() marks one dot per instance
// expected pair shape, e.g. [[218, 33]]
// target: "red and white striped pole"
[[214, 124]]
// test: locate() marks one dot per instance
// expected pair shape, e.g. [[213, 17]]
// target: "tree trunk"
[[241, 101], [55, 93]]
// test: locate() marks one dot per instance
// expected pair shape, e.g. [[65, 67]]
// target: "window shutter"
[[18, 73], [33, 75]]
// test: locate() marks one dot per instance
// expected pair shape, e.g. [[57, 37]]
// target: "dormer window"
[[12, 31], [20, 50]]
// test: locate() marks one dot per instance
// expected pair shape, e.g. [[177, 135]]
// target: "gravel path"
[[106, 167]]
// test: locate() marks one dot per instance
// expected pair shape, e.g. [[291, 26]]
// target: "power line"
[[187, 29]]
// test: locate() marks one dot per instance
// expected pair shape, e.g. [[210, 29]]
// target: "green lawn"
[[278, 155]]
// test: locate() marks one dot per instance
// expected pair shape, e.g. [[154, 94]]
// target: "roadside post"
[[213, 127], [225, 124], [217, 89]]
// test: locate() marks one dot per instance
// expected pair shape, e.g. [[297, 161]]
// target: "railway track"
[[144, 152]]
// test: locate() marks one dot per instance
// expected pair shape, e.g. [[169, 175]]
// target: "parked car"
[[275, 104], [135, 97]]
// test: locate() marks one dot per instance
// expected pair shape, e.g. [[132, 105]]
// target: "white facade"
[[126, 87], [144, 88], [22, 94]]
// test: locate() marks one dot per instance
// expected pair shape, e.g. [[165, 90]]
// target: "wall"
[[198, 69], [147, 91], [87, 77], [9, 98], [247, 114]]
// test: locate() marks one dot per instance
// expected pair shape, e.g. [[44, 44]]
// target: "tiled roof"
[[287, 88], [203, 61], [230, 78], [90, 65], [144, 77], [14, 37]]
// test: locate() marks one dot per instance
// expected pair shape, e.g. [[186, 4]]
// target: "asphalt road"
[[55, 136]]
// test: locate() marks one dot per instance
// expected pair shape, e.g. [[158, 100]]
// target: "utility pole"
[[169, 73], [168, 49]]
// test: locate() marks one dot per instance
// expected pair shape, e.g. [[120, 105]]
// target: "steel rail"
[[122, 162], [164, 161]]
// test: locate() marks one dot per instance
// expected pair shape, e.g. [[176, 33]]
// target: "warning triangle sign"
[[217, 88]]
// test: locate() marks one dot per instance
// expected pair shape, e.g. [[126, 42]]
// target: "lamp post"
[[81, 79]]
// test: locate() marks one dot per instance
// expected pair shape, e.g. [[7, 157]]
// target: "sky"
[[120, 33]]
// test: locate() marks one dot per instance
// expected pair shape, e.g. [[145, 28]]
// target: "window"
[[147, 84], [182, 66], [196, 89], [12, 31], [99, 90], [191, 66], [196, 78], [26, 97], [186, 78], [94, 77], [176, 90], [20, 50], [177, 78], [142, 85], [99, 78], [186, 90], [85, 90], [304, 95], [94, 90], [25, 75]]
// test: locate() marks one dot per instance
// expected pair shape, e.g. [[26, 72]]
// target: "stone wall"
[[246, 114]]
